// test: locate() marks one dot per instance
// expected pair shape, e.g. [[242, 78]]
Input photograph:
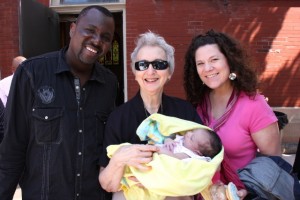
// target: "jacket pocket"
[[47, 125]]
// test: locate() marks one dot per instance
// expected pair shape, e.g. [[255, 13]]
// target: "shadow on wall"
[[266, 43], [284, 83]]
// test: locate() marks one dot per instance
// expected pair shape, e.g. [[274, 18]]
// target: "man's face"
[[91, 37]]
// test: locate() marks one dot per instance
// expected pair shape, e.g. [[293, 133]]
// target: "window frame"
[[76, 8]]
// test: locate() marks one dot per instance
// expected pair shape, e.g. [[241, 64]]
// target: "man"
[[6, 82], [56, 112]]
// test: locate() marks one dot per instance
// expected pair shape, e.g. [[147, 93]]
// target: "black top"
[[55, 130], [296, 165], [123, 122], [2, 109]]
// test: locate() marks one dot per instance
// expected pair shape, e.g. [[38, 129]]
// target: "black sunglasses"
[[156, 64]]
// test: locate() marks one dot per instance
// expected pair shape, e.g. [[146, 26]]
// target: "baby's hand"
[[169, 144]]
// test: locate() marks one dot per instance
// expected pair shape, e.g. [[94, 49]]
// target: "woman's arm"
[[268, 140], [130, 155]]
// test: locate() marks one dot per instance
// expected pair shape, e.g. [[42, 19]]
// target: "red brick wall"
[[9, 35], [271, 29]]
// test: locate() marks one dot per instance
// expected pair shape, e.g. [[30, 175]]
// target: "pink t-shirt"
[[247, 117]]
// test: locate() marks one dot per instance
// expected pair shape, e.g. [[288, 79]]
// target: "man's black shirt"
[[55, 130]]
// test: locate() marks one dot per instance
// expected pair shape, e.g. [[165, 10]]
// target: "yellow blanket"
[[169, 176], [157, 126]]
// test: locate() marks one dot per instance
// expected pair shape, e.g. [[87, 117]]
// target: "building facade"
[[270, 30]]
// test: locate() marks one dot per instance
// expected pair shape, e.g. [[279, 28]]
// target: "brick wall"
[[270, 29], [9, 35]]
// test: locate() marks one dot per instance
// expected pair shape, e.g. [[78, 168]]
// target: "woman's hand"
[[218, 192], [134, 155], [131, 155]]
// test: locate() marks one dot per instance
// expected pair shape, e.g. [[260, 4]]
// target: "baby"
[[198, 143], [201, 144], [194, 145]]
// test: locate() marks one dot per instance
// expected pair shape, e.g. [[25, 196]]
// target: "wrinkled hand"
[[218, 192], [135, 155]]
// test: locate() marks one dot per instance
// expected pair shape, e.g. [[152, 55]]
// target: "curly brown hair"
[[237, 58]]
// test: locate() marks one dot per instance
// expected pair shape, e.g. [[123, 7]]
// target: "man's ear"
[[72, 29]]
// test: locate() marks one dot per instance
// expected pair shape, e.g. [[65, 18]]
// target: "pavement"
[[288, 157]]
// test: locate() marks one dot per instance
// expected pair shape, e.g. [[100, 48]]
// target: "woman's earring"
[[232, 76]]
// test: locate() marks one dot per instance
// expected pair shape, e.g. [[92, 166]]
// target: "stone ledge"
[[289, 148], [290, 134]]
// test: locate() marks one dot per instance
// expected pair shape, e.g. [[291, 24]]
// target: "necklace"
[[159, 109]]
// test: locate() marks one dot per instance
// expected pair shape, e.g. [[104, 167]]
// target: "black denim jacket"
[[55, 131]]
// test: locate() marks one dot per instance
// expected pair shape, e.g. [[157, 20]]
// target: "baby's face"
[[195, 139]]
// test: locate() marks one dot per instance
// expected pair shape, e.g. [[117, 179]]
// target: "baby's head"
[[203, 142]]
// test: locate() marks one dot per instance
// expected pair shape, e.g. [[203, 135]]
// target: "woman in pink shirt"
[[219, 81]]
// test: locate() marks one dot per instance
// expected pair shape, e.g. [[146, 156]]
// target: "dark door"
[[39, 29]]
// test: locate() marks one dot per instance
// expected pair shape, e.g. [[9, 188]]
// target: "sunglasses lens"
[[141, 65], [160, 64]]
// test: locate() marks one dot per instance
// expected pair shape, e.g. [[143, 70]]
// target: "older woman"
[[152, 66]]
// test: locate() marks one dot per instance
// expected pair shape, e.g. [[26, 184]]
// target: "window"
[[68, 6], [112, 57], [87, 1]]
